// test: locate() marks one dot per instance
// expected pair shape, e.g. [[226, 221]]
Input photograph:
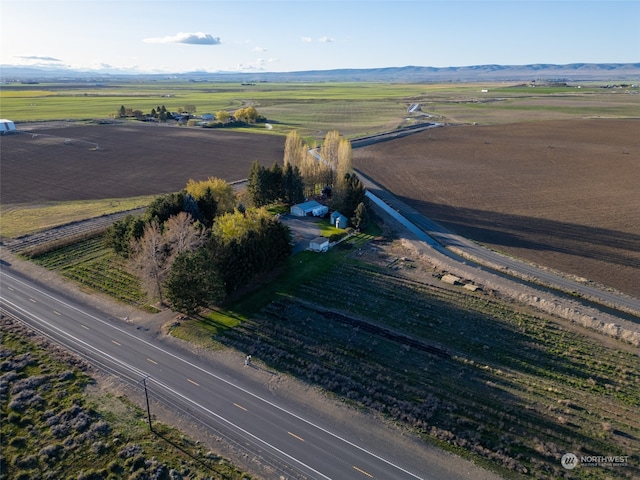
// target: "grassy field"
[[57, 424], [312, 109], [22, 219]]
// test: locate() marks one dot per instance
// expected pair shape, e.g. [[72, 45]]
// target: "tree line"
[[223, 118], [195, 247]]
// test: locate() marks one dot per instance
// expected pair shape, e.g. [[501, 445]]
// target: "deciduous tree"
[[181, 235], [150, 255], [223, 116], [221, 191]]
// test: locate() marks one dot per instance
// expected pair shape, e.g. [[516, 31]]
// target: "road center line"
[[203, 370], [152, 361], [116, 343], [362, 471], [56, 312], [33, 300], [296, 436], [240, 407], [84, 326], [191, 381]]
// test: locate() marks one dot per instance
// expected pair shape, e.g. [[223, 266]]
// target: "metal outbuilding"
[[319, 244], [338, 220], [7, 126], [305, 209]]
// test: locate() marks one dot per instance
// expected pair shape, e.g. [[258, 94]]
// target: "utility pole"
[[146, 394]]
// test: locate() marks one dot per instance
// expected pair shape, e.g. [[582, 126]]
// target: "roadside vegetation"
[[57, 424], [25, 219]]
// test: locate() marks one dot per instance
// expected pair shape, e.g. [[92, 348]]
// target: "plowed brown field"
[[564, 194], [63, 163], [560, 193]]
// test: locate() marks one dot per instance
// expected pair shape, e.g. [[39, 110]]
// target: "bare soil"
[[84, 162], [562, 194]]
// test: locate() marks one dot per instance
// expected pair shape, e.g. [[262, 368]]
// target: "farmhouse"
[[319, 244], [6, 126], [307, 209]]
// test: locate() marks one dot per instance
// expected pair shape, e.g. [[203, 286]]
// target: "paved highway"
[[282, 437]]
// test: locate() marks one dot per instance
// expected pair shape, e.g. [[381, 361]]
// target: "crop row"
[[503, 392], [93, 265]]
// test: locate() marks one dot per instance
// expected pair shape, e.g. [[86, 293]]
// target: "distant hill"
[[548, 72]]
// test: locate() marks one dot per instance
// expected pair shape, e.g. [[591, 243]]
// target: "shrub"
[[50, 451]]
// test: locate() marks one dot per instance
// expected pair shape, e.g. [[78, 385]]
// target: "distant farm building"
[[451, 279], [308, 209], [7, 126], [338, 220], [319, 244]]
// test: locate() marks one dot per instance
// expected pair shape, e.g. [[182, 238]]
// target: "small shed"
[[7, 126], [304, 209], [319, 244], [339, 220]]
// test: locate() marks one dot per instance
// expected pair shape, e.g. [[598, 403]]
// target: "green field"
[[312, 109], [96, 267], [18, 220]]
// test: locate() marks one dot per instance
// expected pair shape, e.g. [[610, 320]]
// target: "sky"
[[156, 36]]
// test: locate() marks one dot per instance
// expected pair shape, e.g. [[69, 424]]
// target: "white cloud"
[[321, 39], [197, 38], [38, 58], [259, 49]]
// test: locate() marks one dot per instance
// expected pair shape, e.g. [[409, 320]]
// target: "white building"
[[319, 244], [6, 126], [305, 209]]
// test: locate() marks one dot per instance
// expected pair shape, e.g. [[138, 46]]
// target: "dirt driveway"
[[303, 230]]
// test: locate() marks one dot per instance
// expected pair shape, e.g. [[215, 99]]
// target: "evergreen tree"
[[162, 207], [194, 282], [292, 185], [360, 219], [274, 184], [349, 195], [208, 207], [120, 235], [257, 184]]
